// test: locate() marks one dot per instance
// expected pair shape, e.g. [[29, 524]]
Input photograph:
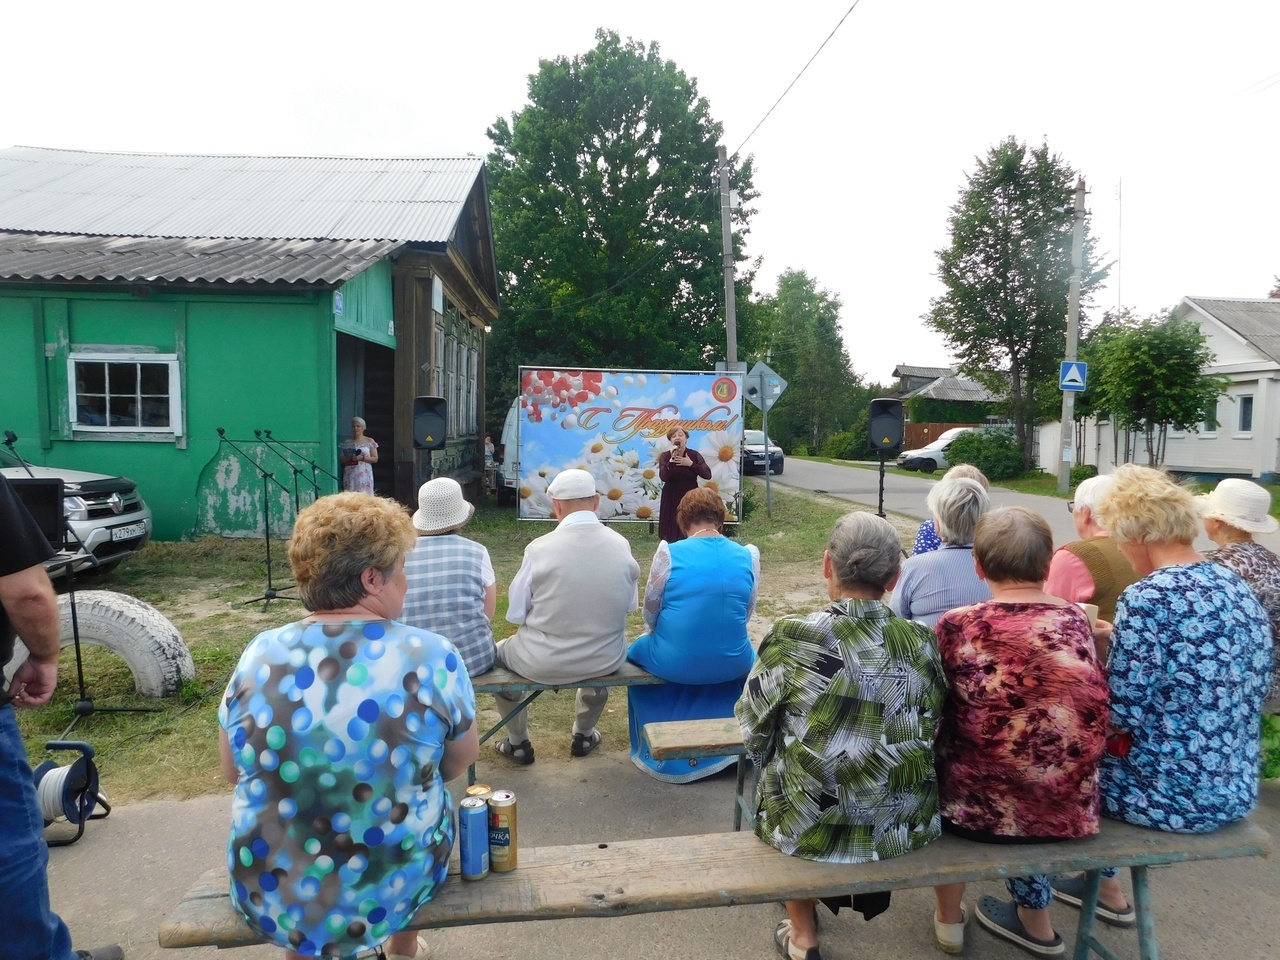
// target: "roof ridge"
[[241, 156]]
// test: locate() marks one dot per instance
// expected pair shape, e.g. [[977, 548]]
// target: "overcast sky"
[[857, 166]]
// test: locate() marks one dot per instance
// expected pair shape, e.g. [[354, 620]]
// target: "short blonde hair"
[[1013, 545], [1149, 505], [967, 471], [337, 538]]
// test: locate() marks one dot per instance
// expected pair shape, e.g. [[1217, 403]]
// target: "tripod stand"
[[84, 706], [271, 592]]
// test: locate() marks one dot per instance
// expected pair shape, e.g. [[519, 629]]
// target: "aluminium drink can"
[[473, 830], [481, 790], [503, 845]]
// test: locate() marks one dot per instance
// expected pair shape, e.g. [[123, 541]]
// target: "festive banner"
[[614, 425]]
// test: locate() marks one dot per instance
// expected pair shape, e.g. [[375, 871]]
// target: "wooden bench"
[[697, 739], [617, 878], [502, 680]]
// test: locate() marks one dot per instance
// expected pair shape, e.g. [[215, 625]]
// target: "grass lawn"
[[201, 587]]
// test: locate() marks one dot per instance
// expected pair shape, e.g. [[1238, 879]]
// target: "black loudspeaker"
[[429, 423], [43, 500], [885, 427]]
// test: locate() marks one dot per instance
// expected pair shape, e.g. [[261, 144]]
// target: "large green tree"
[[798, 334], [606, 212], [1149, 376], [1006, 271]]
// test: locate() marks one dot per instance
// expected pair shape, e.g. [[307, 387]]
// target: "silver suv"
[[107, 520]]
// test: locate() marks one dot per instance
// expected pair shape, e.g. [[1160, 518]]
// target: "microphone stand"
[[271, 593], [305, 459], [296, 471]]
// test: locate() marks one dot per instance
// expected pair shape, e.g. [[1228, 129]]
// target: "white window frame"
[[176, 424], [1242, 432], [473, 357], [451, 382]]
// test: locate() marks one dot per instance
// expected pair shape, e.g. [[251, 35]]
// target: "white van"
[[506, 478]]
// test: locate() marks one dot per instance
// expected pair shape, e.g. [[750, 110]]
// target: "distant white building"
[[1244, 335]]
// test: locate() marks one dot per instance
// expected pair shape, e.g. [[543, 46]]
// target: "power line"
[[798, 76]]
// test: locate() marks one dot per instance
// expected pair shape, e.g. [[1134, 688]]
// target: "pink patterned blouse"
[[1024, 722]]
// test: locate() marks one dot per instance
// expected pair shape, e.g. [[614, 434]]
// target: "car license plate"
[[128, 532]]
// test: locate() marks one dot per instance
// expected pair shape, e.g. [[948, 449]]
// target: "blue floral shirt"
[[1190, 664], [341, 826]]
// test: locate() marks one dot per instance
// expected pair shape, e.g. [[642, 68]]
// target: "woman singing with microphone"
[[679, 469]]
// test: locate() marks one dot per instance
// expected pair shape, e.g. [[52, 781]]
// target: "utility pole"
[[726, 238], [1073, 335]]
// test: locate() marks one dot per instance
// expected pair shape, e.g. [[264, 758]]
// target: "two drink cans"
[[487, 828]]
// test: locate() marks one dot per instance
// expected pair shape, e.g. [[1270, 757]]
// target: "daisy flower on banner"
[[647, 509], [720, 449], [620, 495], [597, 449]]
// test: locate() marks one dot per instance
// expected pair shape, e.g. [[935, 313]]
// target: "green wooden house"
[[148, 300]]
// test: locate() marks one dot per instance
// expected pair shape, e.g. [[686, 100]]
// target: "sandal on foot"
[[782, 940], [422, 949], [584, 743], [950, 936], [521, 753], [1070, 890], [1001, 918]]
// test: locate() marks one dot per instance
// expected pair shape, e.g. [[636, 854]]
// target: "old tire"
[[136, 632]]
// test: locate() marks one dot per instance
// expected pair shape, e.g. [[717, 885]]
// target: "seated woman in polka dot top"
[[340, 732]]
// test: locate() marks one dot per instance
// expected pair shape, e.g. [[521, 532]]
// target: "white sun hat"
[[1241, 504], [441, 506]]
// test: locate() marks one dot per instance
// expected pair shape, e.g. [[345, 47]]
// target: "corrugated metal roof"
[[954, 388], [184, 195], [903, 370], [59, 257], [1258, 321]]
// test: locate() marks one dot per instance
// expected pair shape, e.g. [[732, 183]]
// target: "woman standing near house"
[[358, 452]]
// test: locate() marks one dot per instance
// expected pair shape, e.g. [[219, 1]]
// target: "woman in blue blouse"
[[700, 595], [1190, 664]]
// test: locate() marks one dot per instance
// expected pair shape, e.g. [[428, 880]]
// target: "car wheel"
[[777, 471], [927, 466], [136, 632]]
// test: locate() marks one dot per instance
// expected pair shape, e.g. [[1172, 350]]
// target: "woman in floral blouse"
[[1233, 513], [838, 716], [1189, 667], [1023, 727]]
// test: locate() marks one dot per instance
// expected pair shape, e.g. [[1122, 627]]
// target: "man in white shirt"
[[571, 598]]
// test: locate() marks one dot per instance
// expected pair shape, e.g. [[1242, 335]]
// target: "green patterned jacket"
[[838, 716]]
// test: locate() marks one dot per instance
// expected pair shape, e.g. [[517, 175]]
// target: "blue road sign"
[[1073, 376]]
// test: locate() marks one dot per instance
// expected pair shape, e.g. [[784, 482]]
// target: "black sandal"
[[522, 754]]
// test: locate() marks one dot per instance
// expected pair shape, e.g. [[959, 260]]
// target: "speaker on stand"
[[885, 430]]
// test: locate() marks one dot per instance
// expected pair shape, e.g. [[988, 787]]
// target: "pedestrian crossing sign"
[[1074, 375]]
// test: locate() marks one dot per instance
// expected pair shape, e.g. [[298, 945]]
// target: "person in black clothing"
[[28, 608], [679, 469]]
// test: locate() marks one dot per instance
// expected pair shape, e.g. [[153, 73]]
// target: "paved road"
[[906, 495]]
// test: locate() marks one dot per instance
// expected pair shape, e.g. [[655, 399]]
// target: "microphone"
[[258, 434], [222, 433]]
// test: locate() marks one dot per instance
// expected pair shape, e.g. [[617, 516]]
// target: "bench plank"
[[677, 873], [693, 739], [502, 680]]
